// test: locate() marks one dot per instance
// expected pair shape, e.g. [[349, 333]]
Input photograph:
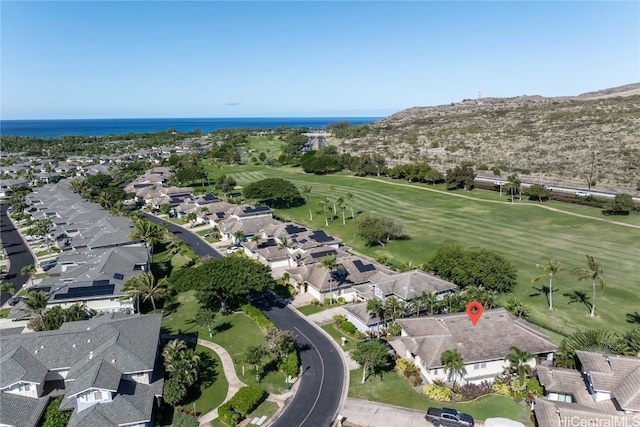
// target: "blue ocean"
[[100, 127]]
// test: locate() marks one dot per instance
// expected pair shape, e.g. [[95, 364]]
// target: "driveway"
[[363, 413]]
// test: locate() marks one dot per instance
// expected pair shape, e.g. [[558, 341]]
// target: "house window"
[[479, 365], [435, 372], [97, 395], [24, 387], [565, 398]]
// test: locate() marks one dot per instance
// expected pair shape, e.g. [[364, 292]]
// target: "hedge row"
[[258, 317], [243, 402]]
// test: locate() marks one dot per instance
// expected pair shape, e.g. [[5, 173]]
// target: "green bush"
[[339, 318], [174, 391], [501, 388], [315, 301], [290, 364], [258, 317], [437, 393], [535, 387], [228, 415], [348, 327], [394, 330], [247, 399], [182, 419], [53, 417]]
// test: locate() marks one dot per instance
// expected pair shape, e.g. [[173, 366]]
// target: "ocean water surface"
[[100, 127]]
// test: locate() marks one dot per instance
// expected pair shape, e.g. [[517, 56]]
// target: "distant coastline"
[[102, 127]]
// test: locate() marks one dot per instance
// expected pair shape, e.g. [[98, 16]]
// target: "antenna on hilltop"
[[479, 97]]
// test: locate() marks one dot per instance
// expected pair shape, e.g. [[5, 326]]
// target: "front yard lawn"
[[392, 389], [310, 309]]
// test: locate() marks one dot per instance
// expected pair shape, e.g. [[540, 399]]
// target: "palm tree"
[[323, 203], [350, 199], [332, 188], [132, 290], [329, 262], [518, 359], [28, 270], [238, 236], [43, 227], [173, 243], [593, 271], [36, 302], [393, 307], [8, 288], [150, 289], [549, 269], [340, 203], [375, 308], [172, 349], [453, 362], [148, 232], [306, 190], [514, 184]]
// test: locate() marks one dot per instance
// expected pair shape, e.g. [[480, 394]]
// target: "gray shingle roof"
[[20, 411], [20, 365], [490, 339]]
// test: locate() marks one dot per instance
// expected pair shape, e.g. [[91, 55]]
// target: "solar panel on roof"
[[293, 229], [100, 282], [362, 268], [85, 292], [118, 276], [320, 236]]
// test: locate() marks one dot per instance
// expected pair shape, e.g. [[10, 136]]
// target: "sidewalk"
[[235, 384]]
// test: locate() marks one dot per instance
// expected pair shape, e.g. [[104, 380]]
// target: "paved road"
[[321, 384], [17, 251], [321, 387], [198, 245]]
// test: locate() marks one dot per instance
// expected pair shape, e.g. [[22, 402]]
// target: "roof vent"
[[88, 328], [36, 351], [113, 360], [89, 340], [74, 346], [42, 346]]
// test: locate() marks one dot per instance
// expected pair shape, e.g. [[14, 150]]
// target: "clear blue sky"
[[86, 59]]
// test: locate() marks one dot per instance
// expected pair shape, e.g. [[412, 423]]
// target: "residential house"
[[606, 388], [482, 347], [106, 370], [404, 287]]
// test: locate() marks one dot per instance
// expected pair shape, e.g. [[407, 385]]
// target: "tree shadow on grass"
[[580, 297], [633, 317], [544, 290]]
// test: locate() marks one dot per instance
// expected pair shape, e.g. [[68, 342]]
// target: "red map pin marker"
[[474, 311]]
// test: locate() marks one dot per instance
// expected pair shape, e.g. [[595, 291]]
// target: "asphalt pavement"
[[196, 243], [18, 253], [322, 382]]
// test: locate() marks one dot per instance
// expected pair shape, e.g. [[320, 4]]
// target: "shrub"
[[228, 415], [535, 387], [437, 393], [315, 301], [182, 419], [292, 362], [341, 300], [439, 381], [501, 388], [258, 317], [53, 417], [473, 391], [409, 370], [339, 318], [348, 327], [394, 330], [174, 391], [247, 399]]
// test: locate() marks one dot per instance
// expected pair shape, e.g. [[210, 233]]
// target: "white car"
[[233, 249], [582, 194]]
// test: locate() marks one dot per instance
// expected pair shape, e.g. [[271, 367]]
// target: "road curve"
[[322, 377], [17, 251]]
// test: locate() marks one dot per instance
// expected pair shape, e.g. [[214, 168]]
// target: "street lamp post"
[[194, 410]]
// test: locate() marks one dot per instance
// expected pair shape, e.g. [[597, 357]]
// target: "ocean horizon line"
[[53, 128]]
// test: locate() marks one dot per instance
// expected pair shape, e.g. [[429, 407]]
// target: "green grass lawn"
[[266, 408], [4, 313], [392, 389], [337, 335], [524, 233], [235, 333], [213, 384], [310, 309]]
